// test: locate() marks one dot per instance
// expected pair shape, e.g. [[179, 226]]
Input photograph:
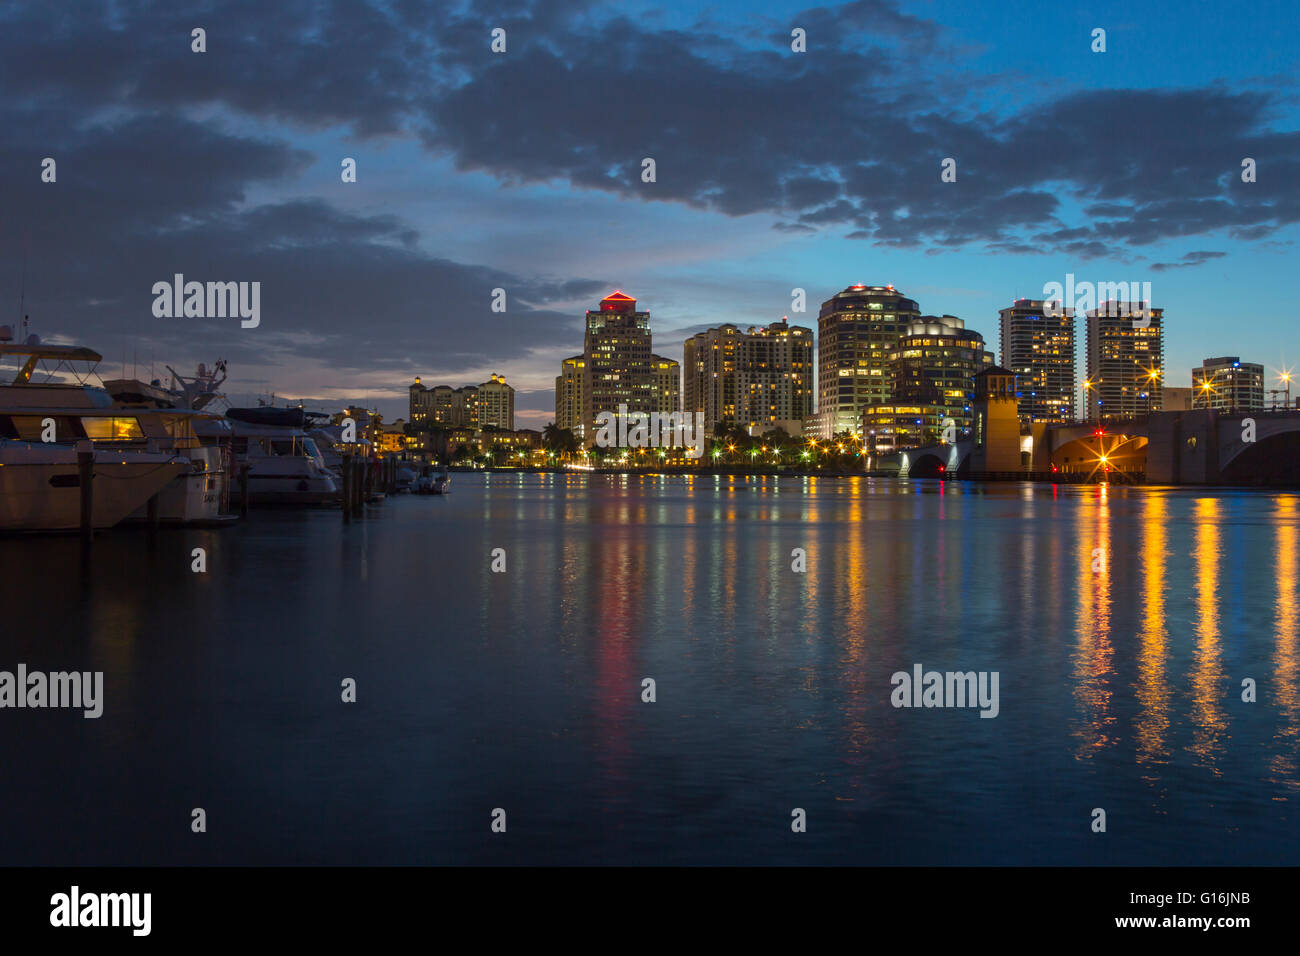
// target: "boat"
[[43, 424], [40, 484], [203, 496], [430, 483], [285, 466]]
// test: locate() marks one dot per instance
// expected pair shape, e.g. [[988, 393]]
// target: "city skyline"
[[231, 171]]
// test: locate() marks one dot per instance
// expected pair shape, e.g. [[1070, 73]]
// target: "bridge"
[[1200, 447]]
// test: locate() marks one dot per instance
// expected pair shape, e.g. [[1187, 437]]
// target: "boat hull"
[[40, 486]]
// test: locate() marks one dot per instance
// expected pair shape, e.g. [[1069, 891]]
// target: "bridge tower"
[[996, 448]]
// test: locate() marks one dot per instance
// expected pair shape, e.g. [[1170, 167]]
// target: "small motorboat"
[[430, 483]]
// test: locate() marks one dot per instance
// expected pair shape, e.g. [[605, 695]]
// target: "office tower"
[[933, 369], [1125, 361], [617, 353], [773, 378], [1228, 383], [858, 329], [1039, 349], [709, 373], [667, 384], [568, 395]]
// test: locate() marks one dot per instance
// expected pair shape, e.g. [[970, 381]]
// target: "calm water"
[[522, 690]]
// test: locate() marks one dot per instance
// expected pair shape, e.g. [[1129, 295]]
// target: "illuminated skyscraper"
[[1125, 361], [857, 331], [618, 364], [1039, 349], [709, 367], [668, 384], [1228, 383], [568, 394]]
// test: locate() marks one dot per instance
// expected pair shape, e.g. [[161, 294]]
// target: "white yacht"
[[42, 423], [40, 485], [285, 466]]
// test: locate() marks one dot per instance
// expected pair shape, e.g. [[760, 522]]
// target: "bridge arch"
[[1273, 460]]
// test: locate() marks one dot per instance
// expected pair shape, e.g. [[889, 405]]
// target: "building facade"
[[1125, 343], [568, 394], [933, 370], [1177, 398], [709, 373], [470, 406], [1229, 384], [618, 358], [667, 384], [773, 378], [1039, 349], [496, 404], [858, 330]]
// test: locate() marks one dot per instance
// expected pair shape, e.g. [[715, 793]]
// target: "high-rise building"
[[667, 384], [471, 406], [1228, 383], [858, 329], [1039, 349], [773, 384], [934, 369], [1125, 361], [444, 405], [709, 370], [496, 404], [568, 395], [617, 354]]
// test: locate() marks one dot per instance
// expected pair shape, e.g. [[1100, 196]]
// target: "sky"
[[522, 170]]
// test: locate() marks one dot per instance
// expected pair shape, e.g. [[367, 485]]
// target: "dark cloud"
[[1189, 259], [165, 156]]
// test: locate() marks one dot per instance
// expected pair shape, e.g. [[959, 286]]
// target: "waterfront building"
[[1039, 349], [496, 404], [773, 378], [709, 372], [1229, 384], [618, 361], [470, 406], [858, 330], [568, 394], [667, 384], [996, 445], [1125, 361]]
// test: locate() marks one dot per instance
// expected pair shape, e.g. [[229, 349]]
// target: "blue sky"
[[520, 170]]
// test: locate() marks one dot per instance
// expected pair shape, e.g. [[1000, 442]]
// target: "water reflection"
[[1153, 692], [1094, 651], [1207, 682], [1286, 677]]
